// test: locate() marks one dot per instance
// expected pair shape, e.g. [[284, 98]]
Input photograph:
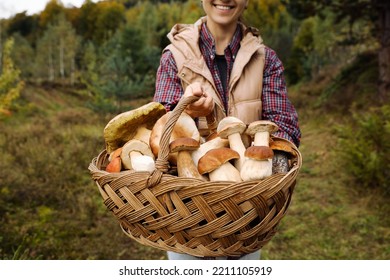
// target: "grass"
[[329, 218], [51, 209]]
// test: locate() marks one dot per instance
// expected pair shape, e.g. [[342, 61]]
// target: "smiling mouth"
[[221, 7]]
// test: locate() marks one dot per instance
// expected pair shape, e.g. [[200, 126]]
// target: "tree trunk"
[[384, 52], [61, 48], [72, 71], [51, 65]]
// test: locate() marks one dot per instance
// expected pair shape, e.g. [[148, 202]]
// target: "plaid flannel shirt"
[[276, 105]]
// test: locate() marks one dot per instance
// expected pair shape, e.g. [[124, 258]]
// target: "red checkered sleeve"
[[276, 105], [168, 86]]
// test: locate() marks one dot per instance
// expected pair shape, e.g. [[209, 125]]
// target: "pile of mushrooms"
[[127, 138], [236, 152]]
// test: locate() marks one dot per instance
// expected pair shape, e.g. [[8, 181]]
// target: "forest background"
[[65, 72]]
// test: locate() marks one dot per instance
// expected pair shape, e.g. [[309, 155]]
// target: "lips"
[[221, 7]]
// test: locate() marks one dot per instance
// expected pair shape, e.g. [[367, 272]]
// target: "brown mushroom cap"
[[124, 126], [114, 154], [184, 144], [259, 153], [259, 126], [215, 158], [280, 144], [115, 165], [230, 125]]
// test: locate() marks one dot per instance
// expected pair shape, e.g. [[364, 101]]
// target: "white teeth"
[[222, 7]]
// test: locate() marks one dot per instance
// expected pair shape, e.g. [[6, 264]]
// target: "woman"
[[225, 63]]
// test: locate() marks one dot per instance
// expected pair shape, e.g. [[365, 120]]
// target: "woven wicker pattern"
[[191, 216]]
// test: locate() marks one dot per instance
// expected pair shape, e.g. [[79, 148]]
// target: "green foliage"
[[276, 26], [23, 56], [299, 64], [340, 93], [56, 52], [23, 24], [364, 148], [10, 84], [110, 18]]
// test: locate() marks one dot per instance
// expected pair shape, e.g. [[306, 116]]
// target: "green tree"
[[276, 26], [56, 51], [372, 13], [23, 56], [110, 18], [24, 24], [53, 9], [86, 22], [90, 78], [10, 83], [118, 79]]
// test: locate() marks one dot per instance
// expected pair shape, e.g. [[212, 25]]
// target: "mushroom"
[[261, 131], [232, 128], [258, 163], [185, 165], [258, 166], [185, 126], [114, 154], [216, 163], [115, 165], [214, 143], [136, 124], [115, 162], [283, 151], [136, 155]]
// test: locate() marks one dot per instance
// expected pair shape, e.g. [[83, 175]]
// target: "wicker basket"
[[185, 215]]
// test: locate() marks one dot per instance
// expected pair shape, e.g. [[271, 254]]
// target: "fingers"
[[202, 107], [194, 89]]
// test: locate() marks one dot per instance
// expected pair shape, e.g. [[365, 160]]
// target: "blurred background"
[[66, 71]]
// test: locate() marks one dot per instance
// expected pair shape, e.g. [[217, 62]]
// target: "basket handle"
[[162, 163]]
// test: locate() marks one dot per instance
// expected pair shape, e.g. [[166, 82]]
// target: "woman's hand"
[[202, 107]]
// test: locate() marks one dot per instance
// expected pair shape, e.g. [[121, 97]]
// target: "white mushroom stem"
[[134, 154], [256, 169], [232, 128], [140, 162], [261, 138], [226, 172], [186, 167], [236, 144], [143, 134]]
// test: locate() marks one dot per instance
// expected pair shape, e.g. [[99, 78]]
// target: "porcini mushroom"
[[135, 123], [115, 165], [214, 143], [231, 128], [185, 165], [136, 155], [115, 162], [217, 164], [258, 163], [261, 131], [283, 151], [185, 126]]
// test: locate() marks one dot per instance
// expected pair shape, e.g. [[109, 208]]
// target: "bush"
[[364, 148]]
